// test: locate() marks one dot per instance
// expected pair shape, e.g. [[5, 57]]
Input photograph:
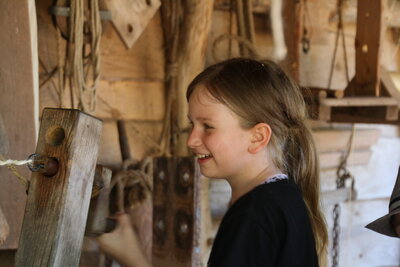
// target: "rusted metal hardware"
[[48, 166], [176, 213]]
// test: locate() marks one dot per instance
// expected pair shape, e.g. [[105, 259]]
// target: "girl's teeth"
[[203, 156]]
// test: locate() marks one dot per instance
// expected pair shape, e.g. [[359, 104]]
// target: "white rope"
[[9, 162], [11, 166]]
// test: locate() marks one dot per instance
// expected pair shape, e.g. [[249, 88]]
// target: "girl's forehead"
[[202, 96], [203, 105]]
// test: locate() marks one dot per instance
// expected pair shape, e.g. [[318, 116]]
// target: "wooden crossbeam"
[[381, 115], [57, 206], [359, 102]]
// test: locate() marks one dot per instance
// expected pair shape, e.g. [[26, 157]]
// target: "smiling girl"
[[249, 127]]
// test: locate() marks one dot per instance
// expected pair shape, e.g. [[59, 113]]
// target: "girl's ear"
[[260, 136]]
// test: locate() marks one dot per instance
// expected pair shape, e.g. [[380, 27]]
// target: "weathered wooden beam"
[[96, 222], [292, 14], [359, 102], [19, 108], [192, 56], [177, 212], [381, 115], [57, 206], [367, 44]]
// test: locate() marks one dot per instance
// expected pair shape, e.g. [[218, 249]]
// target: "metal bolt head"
[[160, 224], [161, 175], [186, 177], [183, 228]]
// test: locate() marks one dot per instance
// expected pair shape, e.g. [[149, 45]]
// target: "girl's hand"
[[122, 244]]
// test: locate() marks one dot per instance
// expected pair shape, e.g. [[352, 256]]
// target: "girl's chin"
[[210, 175]]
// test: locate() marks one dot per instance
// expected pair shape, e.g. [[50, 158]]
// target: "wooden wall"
[[131, 86], [132, 89]]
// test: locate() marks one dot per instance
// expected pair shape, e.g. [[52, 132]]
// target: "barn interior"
[[123, 66]]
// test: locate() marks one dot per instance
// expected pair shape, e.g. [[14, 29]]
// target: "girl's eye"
[[206, 126]]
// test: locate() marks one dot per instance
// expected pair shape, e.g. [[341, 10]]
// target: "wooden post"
[[96, 222], [368, 40], [196, 26], [292, 14], [19, 107], [57, 206], [177, 212]]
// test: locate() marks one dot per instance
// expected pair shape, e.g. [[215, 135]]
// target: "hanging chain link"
[[343, 175], [335, 235]]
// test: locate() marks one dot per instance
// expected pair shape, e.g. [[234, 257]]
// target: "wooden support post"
[[177, 213], [19, 105], [196, 26], [292, 14], [368, 40], [57, 206], [96, 222]]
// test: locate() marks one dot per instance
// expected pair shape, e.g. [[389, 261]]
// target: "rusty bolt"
[[186, 177], [47, 166], [183, 228], [160, 224]]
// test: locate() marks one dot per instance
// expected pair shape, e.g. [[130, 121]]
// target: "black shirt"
[[268, 226]]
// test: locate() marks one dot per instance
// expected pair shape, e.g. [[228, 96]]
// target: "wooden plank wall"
[[18, 105], [132, 89], [131, 86]]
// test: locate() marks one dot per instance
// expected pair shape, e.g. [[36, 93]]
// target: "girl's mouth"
[[201, 158]]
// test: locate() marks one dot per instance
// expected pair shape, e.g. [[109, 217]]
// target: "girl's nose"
[[193, 139]]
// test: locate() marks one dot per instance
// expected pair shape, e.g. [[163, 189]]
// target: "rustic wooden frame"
[[57, 207]]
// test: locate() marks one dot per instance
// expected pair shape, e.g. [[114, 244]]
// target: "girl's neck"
[[242, 186]]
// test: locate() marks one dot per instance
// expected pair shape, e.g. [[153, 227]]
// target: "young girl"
[[248, 127]]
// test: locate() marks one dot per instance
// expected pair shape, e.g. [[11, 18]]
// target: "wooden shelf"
[[363, 109], [358, 102]]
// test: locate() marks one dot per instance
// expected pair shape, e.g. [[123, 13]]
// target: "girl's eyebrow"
[[202, 119]]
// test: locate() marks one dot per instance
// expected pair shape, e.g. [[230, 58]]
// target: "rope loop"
[[133, 183]]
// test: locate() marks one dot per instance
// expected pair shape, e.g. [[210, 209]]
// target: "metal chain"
[[335, 235], [343, 174]]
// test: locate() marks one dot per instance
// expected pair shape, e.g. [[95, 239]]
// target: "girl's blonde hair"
[[260, 91]]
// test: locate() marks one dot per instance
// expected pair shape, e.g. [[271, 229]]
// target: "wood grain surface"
[[57, 206]]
